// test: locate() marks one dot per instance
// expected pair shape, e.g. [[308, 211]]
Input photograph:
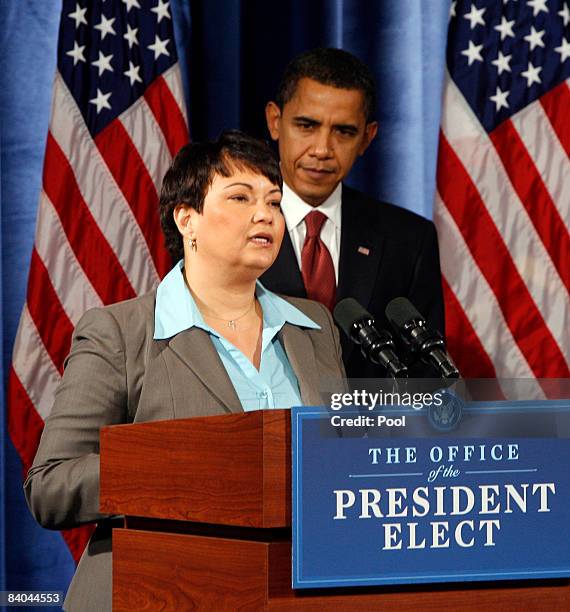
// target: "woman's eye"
[[239, 198], [276, 203]]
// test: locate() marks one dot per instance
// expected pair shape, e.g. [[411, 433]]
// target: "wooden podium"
[[207, 507]]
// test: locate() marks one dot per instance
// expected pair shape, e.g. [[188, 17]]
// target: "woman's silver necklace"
[[232, 323]]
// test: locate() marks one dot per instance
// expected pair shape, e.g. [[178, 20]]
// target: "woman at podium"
[[209, 340]]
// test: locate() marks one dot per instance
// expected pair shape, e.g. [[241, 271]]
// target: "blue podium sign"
[[393, 501]]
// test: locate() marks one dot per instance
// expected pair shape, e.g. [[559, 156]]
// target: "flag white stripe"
[[173, 79], [477, 298], [143, 129], [550, 159], [67, 276], [100, 192], [33, 365], [482, 163]]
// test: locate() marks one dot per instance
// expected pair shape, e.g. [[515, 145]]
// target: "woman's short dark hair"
[[192, 172], [329, 66]]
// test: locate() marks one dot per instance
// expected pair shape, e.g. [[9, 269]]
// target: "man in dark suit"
[[340, 242]]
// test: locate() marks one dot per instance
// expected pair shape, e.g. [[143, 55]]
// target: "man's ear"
[[273, 119], [370, 132], [185, 219]]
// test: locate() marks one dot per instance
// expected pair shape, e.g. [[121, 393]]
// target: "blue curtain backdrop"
[[235, 58], [232, 54]]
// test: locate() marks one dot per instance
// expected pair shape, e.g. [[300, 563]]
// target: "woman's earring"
[[193, 244]]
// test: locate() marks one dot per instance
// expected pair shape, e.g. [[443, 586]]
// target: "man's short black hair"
[[334, 67], [191, 174]]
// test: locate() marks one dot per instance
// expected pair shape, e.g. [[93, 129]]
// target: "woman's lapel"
[[196, 351], [301, 354]]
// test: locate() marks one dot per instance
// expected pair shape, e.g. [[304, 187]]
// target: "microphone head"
[[400, 311], [347, 312]]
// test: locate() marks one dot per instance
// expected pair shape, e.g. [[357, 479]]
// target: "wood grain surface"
[[208, 511], [232, 469], [172, 572]]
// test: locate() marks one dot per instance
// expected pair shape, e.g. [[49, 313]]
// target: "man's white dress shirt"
[[295, 210]]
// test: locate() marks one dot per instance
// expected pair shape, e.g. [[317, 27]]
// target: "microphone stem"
[[441, 361]]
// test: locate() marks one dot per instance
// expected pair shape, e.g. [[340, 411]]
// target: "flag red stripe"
[[468, 352], [556, 103], [88, 242], [77, 539], [534, 196], [25, 425], [524, 319], [167, 113], [463, 343], [132, 177], [50, 318]]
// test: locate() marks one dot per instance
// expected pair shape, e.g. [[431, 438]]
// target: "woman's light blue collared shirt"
[[275, 384]]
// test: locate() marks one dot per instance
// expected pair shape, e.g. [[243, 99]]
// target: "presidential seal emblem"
[[447, 415]]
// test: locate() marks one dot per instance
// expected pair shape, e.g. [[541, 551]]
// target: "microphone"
[[411, 326], [377, 346]]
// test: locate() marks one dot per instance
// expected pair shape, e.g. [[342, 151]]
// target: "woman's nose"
[[263, 212]]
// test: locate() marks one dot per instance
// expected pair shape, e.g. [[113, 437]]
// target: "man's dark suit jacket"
[[385, 252]]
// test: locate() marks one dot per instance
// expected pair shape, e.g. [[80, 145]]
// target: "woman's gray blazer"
[[117, 373]]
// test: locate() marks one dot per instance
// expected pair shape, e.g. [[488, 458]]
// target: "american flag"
[[503, 188], [118, 117]]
